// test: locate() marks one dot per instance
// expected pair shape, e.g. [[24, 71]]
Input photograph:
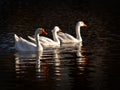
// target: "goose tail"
[[16, 38]]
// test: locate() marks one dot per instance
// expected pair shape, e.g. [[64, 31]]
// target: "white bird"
[[67, 38], [24, 45], [47, 42]]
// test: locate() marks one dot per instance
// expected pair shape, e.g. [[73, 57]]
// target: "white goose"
[[24, 45], [67, 38], [47, 42]]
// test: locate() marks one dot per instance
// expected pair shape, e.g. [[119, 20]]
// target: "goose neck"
[[39, 46], [55, 37], [78, 32]]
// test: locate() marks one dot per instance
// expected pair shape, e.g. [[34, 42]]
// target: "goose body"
[[22, 44], [47, 42], [67, 38]]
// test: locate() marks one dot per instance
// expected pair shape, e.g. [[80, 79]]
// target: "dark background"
[[45, 13]]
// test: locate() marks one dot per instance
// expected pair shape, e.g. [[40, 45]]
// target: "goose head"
[[40, 31], [56, 29], [81, 24]]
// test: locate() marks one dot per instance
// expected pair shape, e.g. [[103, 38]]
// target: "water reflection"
[[52, 65], [26, 60], [61, 69], [38, 64], [82, 59], [57, 61]]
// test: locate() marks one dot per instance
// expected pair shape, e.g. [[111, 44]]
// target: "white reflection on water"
[[57, 62], [52, 65], [27, 59]]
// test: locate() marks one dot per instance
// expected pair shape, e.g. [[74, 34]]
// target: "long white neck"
[[39, 46], [55, 37], [78, 34]]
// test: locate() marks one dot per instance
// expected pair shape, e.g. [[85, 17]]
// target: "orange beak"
[[44, 32], [85, 25]]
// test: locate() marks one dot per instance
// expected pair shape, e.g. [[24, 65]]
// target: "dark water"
[[61, 69]]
